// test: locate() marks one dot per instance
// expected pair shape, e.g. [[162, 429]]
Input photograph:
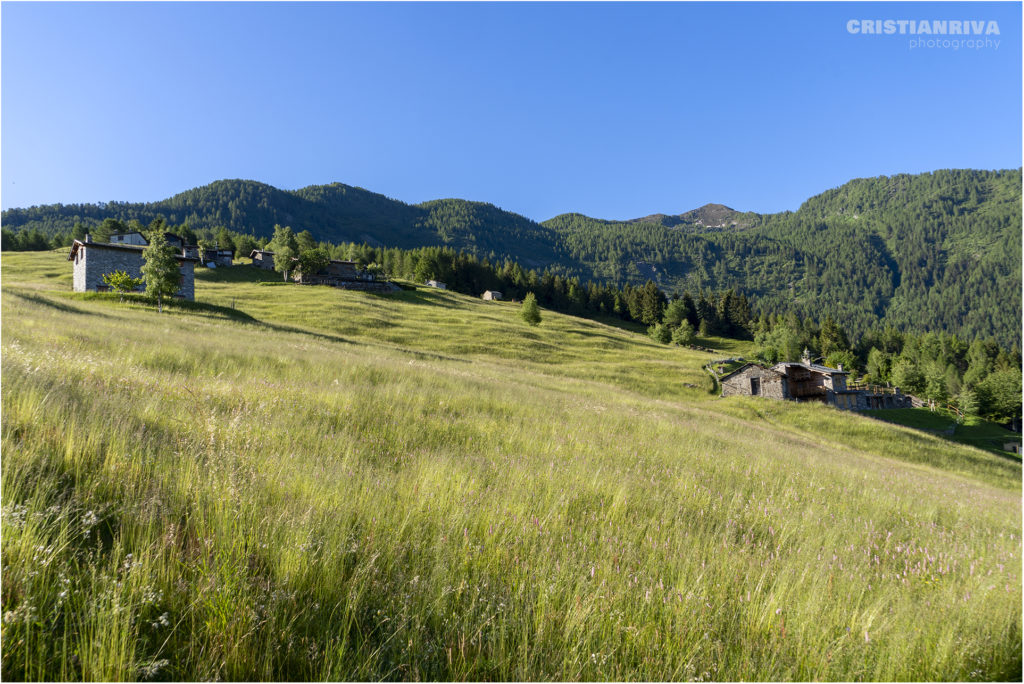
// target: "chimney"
[[840, 366], [88, 238]]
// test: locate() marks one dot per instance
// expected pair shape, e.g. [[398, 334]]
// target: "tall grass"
[[308, 495]]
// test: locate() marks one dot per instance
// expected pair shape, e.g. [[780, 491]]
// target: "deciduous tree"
[[121, 282], [161, 271]]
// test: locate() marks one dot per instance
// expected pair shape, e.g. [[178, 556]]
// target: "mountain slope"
[[933, 251], [297, 483], [334, 213]]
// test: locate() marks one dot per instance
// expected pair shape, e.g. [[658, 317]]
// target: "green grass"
[[304, 483], [974, 431]]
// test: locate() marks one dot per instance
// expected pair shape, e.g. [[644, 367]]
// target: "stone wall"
[[265, 261], [92, 262], [188, 281], [772, 383], [78, 274]]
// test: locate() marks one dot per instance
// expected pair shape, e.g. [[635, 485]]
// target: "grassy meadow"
[[287, 482]]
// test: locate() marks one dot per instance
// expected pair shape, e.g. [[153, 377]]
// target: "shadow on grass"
[[983, 435], [45, 301], [142, 301], [413, 297], [237, 274], [214, 309], [594, 334], [616, 322], [278, 327]]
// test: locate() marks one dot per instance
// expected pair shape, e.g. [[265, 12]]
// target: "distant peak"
[[709, 216]]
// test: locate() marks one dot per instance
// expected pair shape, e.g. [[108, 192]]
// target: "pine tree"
[[530, 311]]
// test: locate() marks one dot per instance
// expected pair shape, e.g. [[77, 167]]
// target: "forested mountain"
[[335, 212], [936, 251]]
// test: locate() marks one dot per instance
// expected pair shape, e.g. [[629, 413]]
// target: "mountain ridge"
[[933, 251]]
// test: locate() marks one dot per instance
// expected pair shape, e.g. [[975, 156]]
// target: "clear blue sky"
[[613, 110]]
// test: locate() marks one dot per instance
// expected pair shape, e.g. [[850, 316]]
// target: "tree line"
[[933, 251], [976, 375]]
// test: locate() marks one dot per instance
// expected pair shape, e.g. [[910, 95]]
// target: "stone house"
[[218, 257], [492, 295], [810, 381], [337, 273], [754, 380], [136, 238], [436, 283], [93, 260], [131, 238], [807, 381], [261, 258]]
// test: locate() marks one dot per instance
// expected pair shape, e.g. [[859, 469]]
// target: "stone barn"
[[754, 380], [807, 381], [492, 295], [811, 381], [130, 238], [218, 257], [93, 260], [136, 238], [337, 272], [261, 258]]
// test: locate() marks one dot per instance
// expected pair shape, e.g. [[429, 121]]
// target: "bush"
[[660, 333], [684, 335], [122, 283]]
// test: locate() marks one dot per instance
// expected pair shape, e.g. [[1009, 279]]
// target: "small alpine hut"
[[753, 380], [262, 258]]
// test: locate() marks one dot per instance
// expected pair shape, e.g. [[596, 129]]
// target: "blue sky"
[[612, 110]]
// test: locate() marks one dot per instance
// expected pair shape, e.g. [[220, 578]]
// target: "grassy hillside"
[[285, 482], [925, 252]]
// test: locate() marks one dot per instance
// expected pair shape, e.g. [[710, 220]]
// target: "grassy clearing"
[[324, 484]]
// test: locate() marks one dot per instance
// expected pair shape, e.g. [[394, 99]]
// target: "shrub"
[[660, 333], [121, 282], [684, 335]]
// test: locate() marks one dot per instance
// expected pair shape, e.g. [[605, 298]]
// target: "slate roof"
[[743, 368], [814, 367], [124, 248]]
